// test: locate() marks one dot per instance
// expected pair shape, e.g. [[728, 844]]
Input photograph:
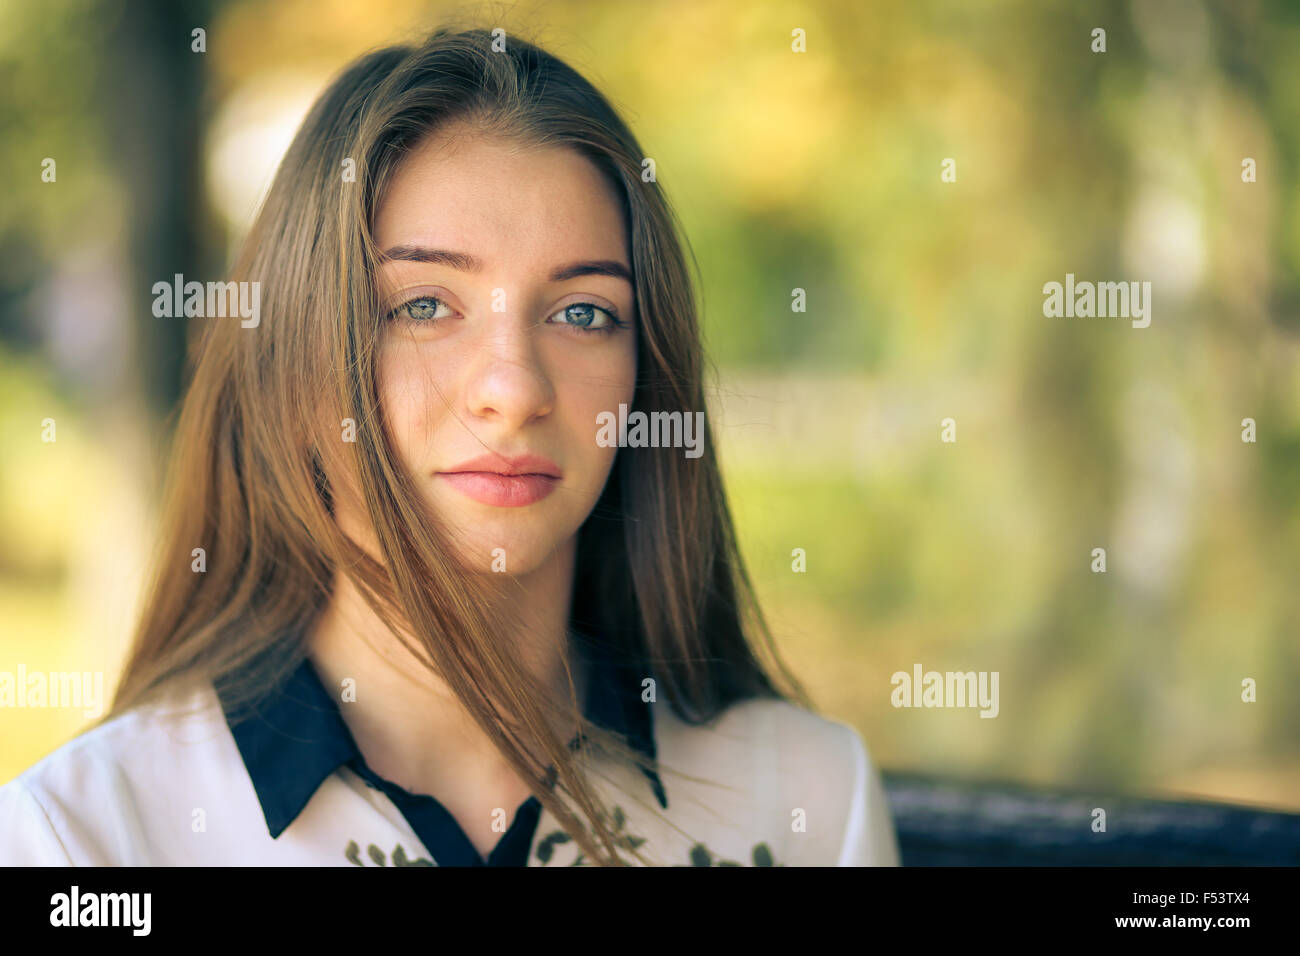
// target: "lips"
[[504, 482]]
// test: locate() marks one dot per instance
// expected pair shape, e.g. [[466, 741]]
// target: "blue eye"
[[423, 308], [586, 317]]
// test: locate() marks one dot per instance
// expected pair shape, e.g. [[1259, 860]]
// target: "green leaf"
[[376, 854], [353, 853], [726, 863], [619, 819], [544, 850], [629, 842], [399, 858], [700, 856], [762, 855]]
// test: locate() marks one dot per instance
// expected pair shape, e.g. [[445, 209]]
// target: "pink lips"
[[504, 482]]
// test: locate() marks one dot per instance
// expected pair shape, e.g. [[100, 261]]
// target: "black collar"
[[296, 737]]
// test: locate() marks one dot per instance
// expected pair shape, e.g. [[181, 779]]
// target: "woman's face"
[[506, 276]]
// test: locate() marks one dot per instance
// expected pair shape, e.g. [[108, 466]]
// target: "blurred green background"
[[821, 171]]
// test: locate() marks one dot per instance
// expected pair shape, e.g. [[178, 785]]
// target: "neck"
[[409, 725]]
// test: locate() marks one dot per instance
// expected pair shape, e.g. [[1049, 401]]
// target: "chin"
[[503, 558], [505, 545]]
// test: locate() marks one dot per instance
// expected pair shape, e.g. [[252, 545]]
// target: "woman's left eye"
[[586, 317]]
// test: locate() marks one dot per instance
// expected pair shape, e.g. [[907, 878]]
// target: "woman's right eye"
[[423, 308]]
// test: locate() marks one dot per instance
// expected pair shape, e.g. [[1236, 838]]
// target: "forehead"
[[500, 200]]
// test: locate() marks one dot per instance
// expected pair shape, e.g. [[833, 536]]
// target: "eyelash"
[[615, 323]]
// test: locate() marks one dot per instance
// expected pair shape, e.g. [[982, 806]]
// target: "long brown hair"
[[659, 577]]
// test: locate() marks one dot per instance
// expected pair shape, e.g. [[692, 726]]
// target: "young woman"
[[414, 605]]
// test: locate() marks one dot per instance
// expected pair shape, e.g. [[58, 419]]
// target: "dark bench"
[[942, 822]]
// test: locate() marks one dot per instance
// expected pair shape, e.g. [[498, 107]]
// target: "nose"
[[508, 383]]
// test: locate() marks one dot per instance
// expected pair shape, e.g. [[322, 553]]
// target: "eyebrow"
[[467, 263]]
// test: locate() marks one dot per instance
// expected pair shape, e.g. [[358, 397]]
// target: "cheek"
[[587, 386], [411, 402], [605, 371]]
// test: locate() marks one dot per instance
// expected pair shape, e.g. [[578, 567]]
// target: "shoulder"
[[808, 780], [27, 835], [766, 731], [81, 803], [769, 733]]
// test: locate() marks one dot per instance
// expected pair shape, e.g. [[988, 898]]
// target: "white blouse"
[[768, 783]]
